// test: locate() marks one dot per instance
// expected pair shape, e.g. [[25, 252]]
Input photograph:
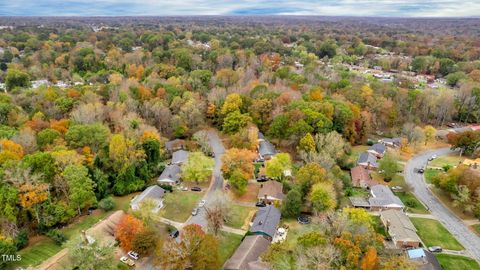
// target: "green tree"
[[197, 168], [307, 144], [16, 78], [292, 204], [41, 163], [276, 167], [235, 120], [328, 49], [238, 181], [80, 187], [145, 242], [91, 256], [47, 136], [93, 135], [388, 167], [310, 174]]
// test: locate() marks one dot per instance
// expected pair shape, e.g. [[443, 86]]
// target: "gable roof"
[[179, 156], [171, 173], [399, 226], [249, 251], [266, 148], [367, 158], [152, 192], [266, 220], [174, 144], [383, 196], [361, 177], [378, 147], [273, 189], [394, 141]]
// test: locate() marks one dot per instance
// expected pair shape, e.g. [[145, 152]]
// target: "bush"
[[106, 204], [410, 202], [57, 236], [167, 187], [122, 266], [21, 240]]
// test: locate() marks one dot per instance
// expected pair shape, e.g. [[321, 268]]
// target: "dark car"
[[262, 178], [304, 219], [260, 204], [174, 234], [387, 238], [421, 170], [196, 189]]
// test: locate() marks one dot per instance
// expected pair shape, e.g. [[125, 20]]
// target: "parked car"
[[432, 157], [201, 203], [260, 204], [304, 219], [387, 238], [196, 189], [195, 211], [262, 178], [175, 233], [183, 188], [435, 249], [396, 188], [421, 170], [127, 261], [133, 255], [452, 125]]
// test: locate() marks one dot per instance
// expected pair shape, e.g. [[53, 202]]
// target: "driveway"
[[217, 178], [454, 225]]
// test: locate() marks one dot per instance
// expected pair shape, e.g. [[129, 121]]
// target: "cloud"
[[404, 8]]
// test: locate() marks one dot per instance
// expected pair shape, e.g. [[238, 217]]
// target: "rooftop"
[[399, 226], [272, 189], [266, 220], [383, 196], [249, 251]]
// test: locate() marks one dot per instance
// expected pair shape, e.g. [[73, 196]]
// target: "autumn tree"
[[323, 197], [276, 167], [370, 260], [238, 159], [126, 230], [91, 256], [80, 187], [310, 174], [430, 134], [10, 151], [197, 168], [218, 210]]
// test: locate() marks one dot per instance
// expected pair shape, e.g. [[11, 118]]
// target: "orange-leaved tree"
[[126, 230]]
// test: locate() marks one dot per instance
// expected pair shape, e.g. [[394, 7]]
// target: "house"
[[170, 175], [424, 259], [271, 191], [361, 177], [247, 255], [179, 157], [368, 161], [266, 150], [377, 150], [174, 145], [383, 198], [400, 228], [391, 142], [266, 221], [154, 193], [472, 163]]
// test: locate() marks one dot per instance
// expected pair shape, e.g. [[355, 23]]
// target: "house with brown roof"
[[361, 177], [400, 228], [271, 191], [247, 255]]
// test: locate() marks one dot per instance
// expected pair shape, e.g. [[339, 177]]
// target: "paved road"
[[218, 149], [467, 238]]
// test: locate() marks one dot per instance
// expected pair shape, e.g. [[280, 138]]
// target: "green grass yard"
[[451, 159], [453, 262], [476, 228], [434, 234], [179, 204], [430, 173], [238, 214], [407, 197], [228, 244]]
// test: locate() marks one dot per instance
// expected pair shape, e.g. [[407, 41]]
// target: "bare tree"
[[217, 211]]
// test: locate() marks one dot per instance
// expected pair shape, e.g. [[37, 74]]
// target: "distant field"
[[433, 233], [452, 262]]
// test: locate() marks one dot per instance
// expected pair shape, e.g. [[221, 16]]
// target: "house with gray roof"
[[377, 150], [266, 221], [266, 150], [174, 145], [400, 228], [170, 175], [179, 157], [391, 142], [247, 255], [154, 193], [383, 198], [368, 161]]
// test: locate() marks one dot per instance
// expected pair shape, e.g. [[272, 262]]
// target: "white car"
[[201, 203], [432, 157], [127, 261], [133, 255]]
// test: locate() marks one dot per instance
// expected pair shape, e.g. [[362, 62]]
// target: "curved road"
[[218, 149], [464, 235]]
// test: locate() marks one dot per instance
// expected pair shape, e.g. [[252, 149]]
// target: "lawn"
[[453, 262], [451, 159], [296, 229], [179, 204], [476, 228], [35, 254], [412, 203], [434, 234], [397, 180], [228, 244], [356, 151], [379, 228], [430, 173], [238, 215]]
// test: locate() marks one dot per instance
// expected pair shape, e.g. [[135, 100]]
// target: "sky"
[[387, 8]]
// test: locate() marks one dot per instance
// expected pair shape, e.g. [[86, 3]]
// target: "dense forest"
[[89, 103]]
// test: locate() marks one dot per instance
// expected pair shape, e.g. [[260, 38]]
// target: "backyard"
[[238, 216], [179, 204], [228, 244], [453, 262], [434, 234]]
